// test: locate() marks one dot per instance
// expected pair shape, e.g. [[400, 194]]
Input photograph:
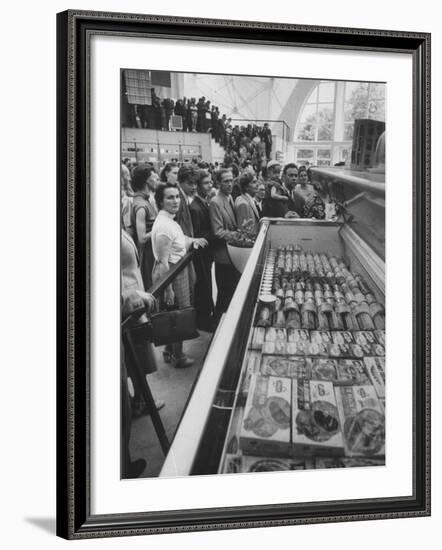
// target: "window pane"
[[325, 114], [352, 87], [324, 153], [376, 91], [326, 92], [304, 162], [305, 153], [348, 113], [325, 132], [356, 100], [376, 110], [348, 131], [307, 132], [308, 113], [323, 162], [307, 126], [313, 98]]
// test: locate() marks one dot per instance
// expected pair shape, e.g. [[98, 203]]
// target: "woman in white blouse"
[[169, 245]]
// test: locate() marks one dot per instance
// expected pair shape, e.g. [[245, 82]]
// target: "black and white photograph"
[[252, 260]]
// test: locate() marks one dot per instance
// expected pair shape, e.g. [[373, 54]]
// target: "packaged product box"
[[341, 462], [231, 464], [376, 371], [320, 337], [364, 337], [324, 369], [342, 337], [316, 428], [351, 372], [275, 335], [277, 347], [357, 350], [341, 372], [380, 336], [298, 348], [317, 350], [290, 366], [252, 367], [378, 349], [265, 429], [362, 419], [258, 338], [270, 464], [340, 350], [297, 335]]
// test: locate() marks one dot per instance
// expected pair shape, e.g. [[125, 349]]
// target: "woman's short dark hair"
[[302, 169], [140, 175], [245, 180], [167, 168], [159, 193]]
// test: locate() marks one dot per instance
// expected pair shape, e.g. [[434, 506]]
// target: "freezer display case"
[[295, 374]]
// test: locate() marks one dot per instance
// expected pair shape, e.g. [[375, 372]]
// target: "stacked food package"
[[313, 386]]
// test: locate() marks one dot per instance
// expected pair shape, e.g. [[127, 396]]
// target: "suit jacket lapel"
[[202, 203], [230, 212], [152, 212], [186, 212], [253, 205]]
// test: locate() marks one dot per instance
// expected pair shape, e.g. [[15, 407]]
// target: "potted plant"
[[240, 246]]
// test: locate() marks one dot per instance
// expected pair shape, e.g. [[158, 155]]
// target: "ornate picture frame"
[[75, 30]]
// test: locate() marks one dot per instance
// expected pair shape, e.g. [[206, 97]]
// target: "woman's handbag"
[[173, 326]]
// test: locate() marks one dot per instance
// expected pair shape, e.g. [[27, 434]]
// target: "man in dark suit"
[[223, 222], [245, 206], [187, 187], [199, 212], [266, 137], [289, 180]]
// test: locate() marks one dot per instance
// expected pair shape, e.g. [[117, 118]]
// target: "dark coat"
[[183, 217], [199, 211]]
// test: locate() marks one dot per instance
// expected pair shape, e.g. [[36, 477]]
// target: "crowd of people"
[[248, 142], [213, 204], [193, 205]]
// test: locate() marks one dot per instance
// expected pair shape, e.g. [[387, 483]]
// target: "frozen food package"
[[351, 372], [324, 369], [272, 464], [265, 429], [380, 336], [342, 462], [231, 464], [316, 428], [376, 371], [362, 419], [290, 366], [253, 364], [257, 338], [320, 337], [342, 337], [277, 347], [364, 337]]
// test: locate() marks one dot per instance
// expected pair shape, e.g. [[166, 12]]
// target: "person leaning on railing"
[[133, 298], [169, 245]]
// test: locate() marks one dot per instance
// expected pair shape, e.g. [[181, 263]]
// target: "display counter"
[[211, 436]]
